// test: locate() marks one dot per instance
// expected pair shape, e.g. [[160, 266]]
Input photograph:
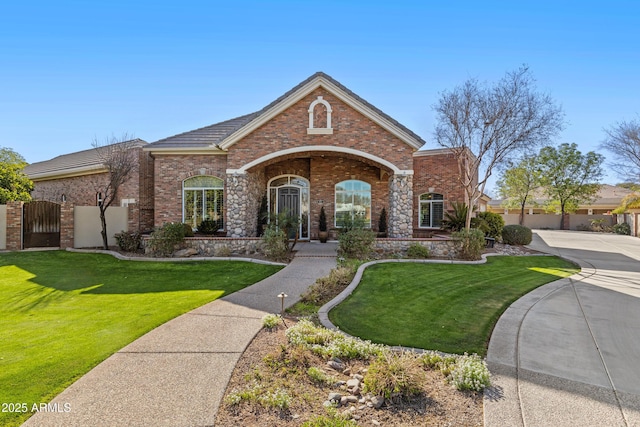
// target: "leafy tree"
[[484, 126], [120, 160], [517, 184], [569, 177], [623, 141], [14, 184]]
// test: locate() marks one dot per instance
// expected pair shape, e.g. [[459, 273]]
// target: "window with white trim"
[[431, 210], [202, 198], [353, 201]]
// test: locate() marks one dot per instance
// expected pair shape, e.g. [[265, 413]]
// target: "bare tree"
[[484, 126], [119, 158], [623, 141]]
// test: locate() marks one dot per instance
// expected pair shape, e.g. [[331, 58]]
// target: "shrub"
[[334, 419], [493, 224], [516, 235], [417, 251], [322, 221], [327, 287], [394, 374], [270, 321], [470, 243], [278, 398], [456, 220], [275, 246], [319, 376], [356, 243], [382, 222], [167, 238], [209, 226], [128, 242], [622, 228], [470, 373], [464, 372], [188, 231]]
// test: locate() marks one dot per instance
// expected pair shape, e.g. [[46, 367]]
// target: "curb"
[[128, 258]]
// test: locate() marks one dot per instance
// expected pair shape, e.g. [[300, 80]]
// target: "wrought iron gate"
[[41, 224]]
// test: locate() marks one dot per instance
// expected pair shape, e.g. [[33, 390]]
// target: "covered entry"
[[290, 194], [41, 225]]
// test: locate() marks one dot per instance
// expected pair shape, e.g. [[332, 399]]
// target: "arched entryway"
[[290, 194]]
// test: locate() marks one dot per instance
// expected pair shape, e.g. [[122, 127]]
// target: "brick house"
[[318, 145], [77, 178]]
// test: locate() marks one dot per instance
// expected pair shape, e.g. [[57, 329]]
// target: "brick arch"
[[319, 149]]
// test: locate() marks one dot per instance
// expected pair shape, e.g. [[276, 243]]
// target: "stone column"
[[401, 205], [237, 193], [244, 193]]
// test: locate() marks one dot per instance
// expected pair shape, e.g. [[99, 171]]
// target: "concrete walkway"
[[176, 374], [568, 353]]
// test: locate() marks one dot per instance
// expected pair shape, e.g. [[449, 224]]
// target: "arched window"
[[431, 210], [353, 202], [202, 198]]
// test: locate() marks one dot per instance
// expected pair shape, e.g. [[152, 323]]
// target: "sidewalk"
[[176, 374], [566, 354]]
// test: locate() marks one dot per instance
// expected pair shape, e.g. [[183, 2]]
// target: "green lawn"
[[446, 307], [62, 313]]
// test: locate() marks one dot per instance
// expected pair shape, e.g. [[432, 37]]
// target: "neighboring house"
[[608, 198], [317, 145], [77, 178]]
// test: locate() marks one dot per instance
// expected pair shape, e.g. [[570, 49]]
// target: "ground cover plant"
[[450, 308], [61, 313]]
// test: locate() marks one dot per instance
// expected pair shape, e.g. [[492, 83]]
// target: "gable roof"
[[221, 136], [79, 163]]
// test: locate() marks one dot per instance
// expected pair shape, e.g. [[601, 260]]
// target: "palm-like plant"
[[456, 220]]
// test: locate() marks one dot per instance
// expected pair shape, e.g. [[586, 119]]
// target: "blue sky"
[[72, 71]]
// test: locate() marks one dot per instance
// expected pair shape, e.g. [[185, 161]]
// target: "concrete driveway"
[[569, 353]]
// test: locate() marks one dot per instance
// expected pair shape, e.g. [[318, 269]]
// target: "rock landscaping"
[[277, 383]]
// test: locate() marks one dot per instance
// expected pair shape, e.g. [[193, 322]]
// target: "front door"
[[289, 203]]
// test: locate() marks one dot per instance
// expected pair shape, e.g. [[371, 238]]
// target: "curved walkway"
[[568, 353], [176, 374]]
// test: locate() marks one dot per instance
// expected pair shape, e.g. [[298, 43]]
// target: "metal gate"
[[41, 225]]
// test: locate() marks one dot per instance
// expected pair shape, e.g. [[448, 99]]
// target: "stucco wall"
[[87, 228]]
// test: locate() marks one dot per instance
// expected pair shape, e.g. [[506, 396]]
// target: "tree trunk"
[[103, 221], [521, 218]]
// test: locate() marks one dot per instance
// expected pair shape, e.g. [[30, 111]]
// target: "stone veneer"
[[226, 246], [401, 206], [438, 248]]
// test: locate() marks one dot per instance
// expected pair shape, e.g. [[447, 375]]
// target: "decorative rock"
[[358, 377], [375, 422], [344, 401], [351, 399], [353, 383], [377, 401], [185, 253], [347, 371], [335, 397], [336, 365]]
